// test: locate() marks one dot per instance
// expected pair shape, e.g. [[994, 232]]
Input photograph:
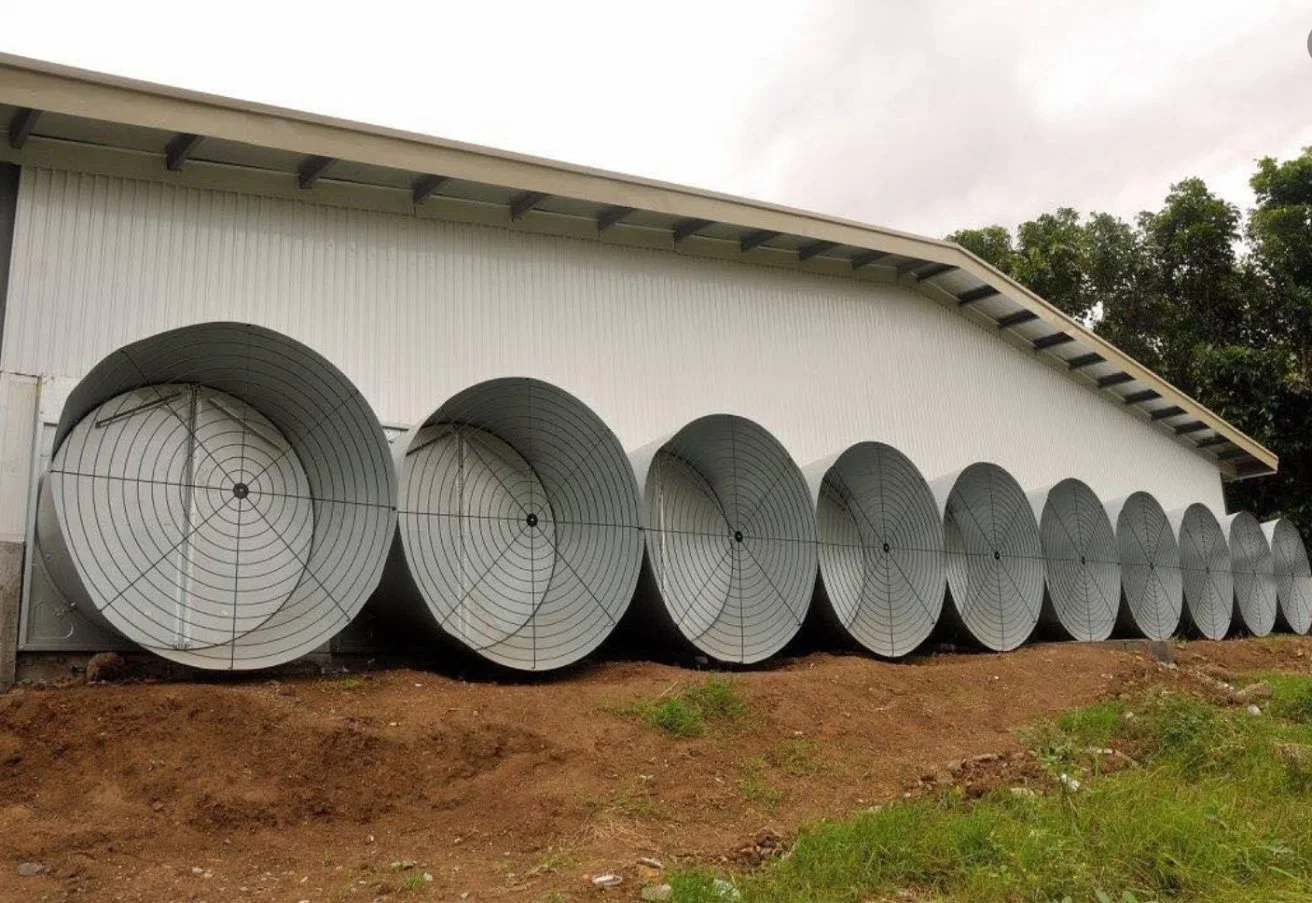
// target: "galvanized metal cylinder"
[[1293, 574], [519, 523], [1081, 564], [880, 548], [1209, 588], [994, 558], [730, 536], [219, 494], [1152, 584], [1254, 573]]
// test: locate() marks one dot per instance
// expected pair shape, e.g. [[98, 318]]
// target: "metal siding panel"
[[414, 310]]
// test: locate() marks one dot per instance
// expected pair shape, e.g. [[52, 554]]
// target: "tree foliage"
[[1218, 305]]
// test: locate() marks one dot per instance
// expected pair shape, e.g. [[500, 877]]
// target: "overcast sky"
[[921, 116]]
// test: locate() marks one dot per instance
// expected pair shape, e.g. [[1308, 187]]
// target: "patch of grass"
[[755, 788], [1215, 808], [346, 683], [798, 758], [414, 882], [687, 713]]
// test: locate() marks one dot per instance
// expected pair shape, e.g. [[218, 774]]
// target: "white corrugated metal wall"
[[414, 310]]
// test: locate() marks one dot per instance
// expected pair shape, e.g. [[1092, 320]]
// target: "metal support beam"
[[934, 271], [610, 216], [1145, 395], [311, 169], [1084, 360], [177, 151], [1016, 319], [21, 125], [756, 239], [526, 202], [977, 294], [1052, 341], [1167, 413], [1210, 440], [686, 227], [426, 186], [1230, 454], [869, 257], [806, 252], [1114, 379], [1195, 426]]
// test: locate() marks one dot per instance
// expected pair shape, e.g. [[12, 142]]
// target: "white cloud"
[[920, 116]]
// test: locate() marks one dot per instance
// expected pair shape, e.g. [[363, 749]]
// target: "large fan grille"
[[1254, 574], [994, 559], [731, 533], [1209, 588], [519, 521], [1293, 574], [880, 549], [1152, 583], [220, 495], [1081, 565]]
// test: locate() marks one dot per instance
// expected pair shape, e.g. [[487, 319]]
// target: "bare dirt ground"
[[352, 788]]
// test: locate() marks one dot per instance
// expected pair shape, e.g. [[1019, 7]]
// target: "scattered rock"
[[651, 863], [1070, 783], [32, 869], [1253, 710], [1293, 753], [724, 890], [1254, 692], [197, 870], [157, 806], [607, 880], [657, 892], [1024, 792], [105, 667]]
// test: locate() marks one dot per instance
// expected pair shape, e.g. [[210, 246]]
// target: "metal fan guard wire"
[[880, 545], [1293, 574], [1254, 573], [519, 522], [730, 535], [1082, 568], [1152, 583], [1209, 589], [219, 494], [994, 558]]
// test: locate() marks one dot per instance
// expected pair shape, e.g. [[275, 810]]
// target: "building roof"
[[68, 118]]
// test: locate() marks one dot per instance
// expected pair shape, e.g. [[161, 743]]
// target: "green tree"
[[1051, 254], [992, 244]]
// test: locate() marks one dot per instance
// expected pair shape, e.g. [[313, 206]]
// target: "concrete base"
[[11, 596]]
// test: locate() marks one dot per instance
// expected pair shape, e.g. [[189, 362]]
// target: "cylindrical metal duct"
[[1254, 573], [1293, 574], [994, 559], [1082, 567], [519, 524], [219, 494], [880, 548], [730, 531], [1152, 585], [1209, 589]]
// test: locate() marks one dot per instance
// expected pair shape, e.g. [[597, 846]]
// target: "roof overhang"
[[68, 118]]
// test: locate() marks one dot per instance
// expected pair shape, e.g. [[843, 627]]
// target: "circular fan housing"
[[994, 559], [1254, 573], [1293, 575], [880, 548], [1152, 585], [1082, 569], [1209, 590], [519, 523], [220, 495], [731, 537]]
